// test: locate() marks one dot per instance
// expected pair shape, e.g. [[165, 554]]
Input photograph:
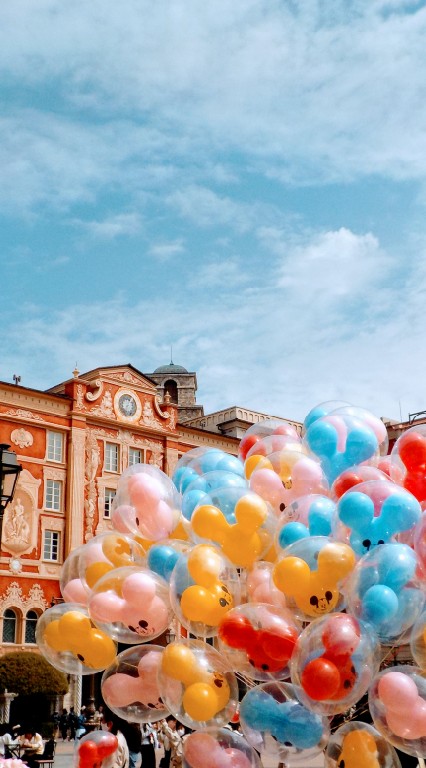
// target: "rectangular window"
[[135, 456], [54, 446], [53, 495], [51, 546], [111, 457], [109, 498]]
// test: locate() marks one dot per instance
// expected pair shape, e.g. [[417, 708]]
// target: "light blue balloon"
[[190, 500], [292, 532], [320, 516], [162, 559], [379, 604]]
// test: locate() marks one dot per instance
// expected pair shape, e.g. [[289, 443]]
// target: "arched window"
[[30, 627], [10, 622], [171, 387]]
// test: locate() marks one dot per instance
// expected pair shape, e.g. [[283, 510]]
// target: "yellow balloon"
[[117, 550], [250, 511], [256, 462], [291, 575], [180, 532], [200, 702], [53, 638], [98, 650], [95, 571], [204, 564], [209, 523], [73, 625], [179, 662]]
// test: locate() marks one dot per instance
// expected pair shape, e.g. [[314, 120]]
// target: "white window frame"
[[55, 495], [141, 452], [110, 494], [55, 446], [51, 540], [107, 458]]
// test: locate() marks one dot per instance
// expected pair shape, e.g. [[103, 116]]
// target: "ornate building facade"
[[73, 443]]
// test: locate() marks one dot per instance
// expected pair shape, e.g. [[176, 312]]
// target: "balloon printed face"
[[375, 512], [242, 542], [135, 698], [141, 612], [71, 642], [209, 599], [315, 592], [209, 691]]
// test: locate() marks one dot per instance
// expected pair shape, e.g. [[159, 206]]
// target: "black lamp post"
[[9, 473]]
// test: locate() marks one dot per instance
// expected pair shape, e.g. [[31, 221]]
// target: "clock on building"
[[127, 405]]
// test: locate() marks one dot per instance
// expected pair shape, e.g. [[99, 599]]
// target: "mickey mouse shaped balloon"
[[334, 662], [310, 515], [70, 642], [197, 685], [310, 575], [220, 748], [341, 441], [374, 513], [147, 503], [359, 745], [130, 686], [131, 604], [397, 701], [277, 724], [409, 456], [97, 749], [258, 640]]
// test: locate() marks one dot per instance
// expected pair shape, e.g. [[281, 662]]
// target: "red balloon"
[[278, 645], [236, 631], [346, 481], [347, 673], [341, 635], [87, 753], [320, 679], [107, 745], [246, 443], [412, 451]]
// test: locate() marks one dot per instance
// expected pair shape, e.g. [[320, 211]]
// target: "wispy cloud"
[[166, 251], [116, 225]]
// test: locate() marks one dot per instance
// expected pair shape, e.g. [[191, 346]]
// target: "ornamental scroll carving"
[[148, 417], [22, 438], [105, 408], [22, 414], [92, 396], [13, 597]]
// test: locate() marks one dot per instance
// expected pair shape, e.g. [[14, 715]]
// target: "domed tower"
[[181, 386]]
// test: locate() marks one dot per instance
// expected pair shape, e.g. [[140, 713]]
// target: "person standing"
[[63, 724], [147, 746], [169, 730], [112, 724], [133, 736]]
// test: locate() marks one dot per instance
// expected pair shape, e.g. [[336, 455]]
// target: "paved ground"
[[64, 758]]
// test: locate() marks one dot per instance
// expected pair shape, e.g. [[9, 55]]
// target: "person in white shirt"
[[6, 740], [111, 723], [32, 745]]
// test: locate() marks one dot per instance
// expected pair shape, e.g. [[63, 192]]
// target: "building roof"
[[171, 368]]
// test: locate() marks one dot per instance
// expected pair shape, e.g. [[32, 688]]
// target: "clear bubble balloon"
[[311, 574], [163, 556], [98, 748], [310, 515], [283, 477], [418, 641], [341, 441], [218, 749], [384, 591], [199, 490], [197, 685], [72, 588], [130, 685], [359, 745], [264, 429], [361, 473], [408, 458], [375, 513], [323, 409], [239, 521], [68, 639], [397, 701], [260, 585], [334, 662], [106, 552], [147, 503], [258, 640], [277, 724], [204, 586], [131, 605]]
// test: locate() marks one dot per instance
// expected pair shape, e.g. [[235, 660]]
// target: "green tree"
[[28, 673]]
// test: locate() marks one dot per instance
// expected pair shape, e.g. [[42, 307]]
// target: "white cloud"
[[117, 225], [266, 347], [165, 251]]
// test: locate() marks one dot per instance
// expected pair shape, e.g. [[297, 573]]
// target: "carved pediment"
[[124, 375]]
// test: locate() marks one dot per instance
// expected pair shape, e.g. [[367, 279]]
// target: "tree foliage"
[[28, 673]]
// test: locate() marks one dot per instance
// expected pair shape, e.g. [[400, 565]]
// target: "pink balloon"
[[261, 588], [397, 691], [124, 519], [341, 635], [408, 725], [145, 492], [268, 485], [341, 429], [93, 553], [74, 592], [158, 523], [199, 750], [120, 690]]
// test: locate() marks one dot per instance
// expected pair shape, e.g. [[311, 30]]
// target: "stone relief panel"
[[105, 408], [22, 414], [22, 438], [13, 597], [19, 535]]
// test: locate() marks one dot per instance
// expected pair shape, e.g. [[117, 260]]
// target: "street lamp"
[[9, 473]]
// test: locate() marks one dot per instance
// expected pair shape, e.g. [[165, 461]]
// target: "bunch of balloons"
[[299, 561]]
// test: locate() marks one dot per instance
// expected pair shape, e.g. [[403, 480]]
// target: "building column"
[[5, 701], [75, 491]]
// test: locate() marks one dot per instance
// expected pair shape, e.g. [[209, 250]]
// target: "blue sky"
[[244, 180]]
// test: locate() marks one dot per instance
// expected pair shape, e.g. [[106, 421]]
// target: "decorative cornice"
[[20, 413]]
